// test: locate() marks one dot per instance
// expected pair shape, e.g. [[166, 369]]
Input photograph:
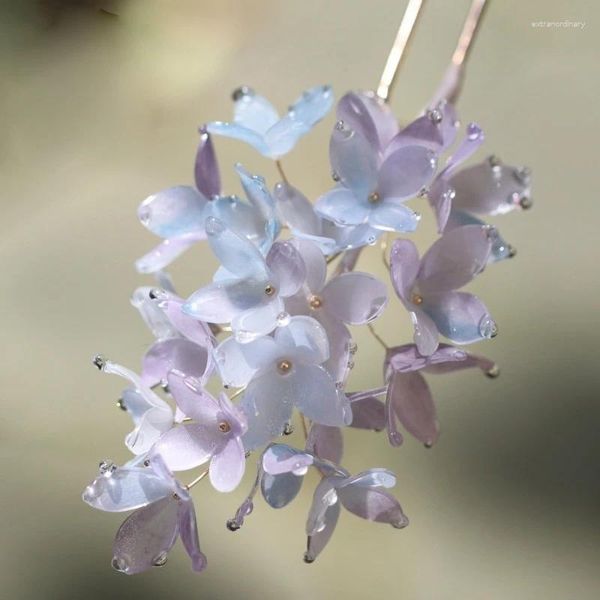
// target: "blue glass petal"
[[391, 215], [343, 207], [254, 112], [173, 212], [237, 132], [280, 490]]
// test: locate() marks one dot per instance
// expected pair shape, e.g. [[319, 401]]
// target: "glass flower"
[[248, 290], [298, 213], [257, 123], [176, 214], [348, 299], [163, 511], [408, 397], [214, 434], [151, 415], [363, 495], [283, 372], [427, 287], [372, 189]]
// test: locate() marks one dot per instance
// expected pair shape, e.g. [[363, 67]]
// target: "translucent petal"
[[267, 405], [166, 252], [350, 237], [237, 132], [314, 261], [373, 504], [206, 168], [440, 198], [392, 215], [501, 249], [474, 138], [470, 361], [146, 536], [221, 302], [305, 338], [190, 445], [354, 160], [454, 259], [407, 358], [227, 466], [193, 400], [191, 328], [150, 427], [413, 404], [239, 216], [340, 347], [342, 206], [126, 489], [324, 497], [258, 321], [368, 413], [173, 212], [406, 171], [281, 458], [461, 317], [175, 353], [317, 541], [158, 323], [372, 478], [355, 298], [404, 267], [426, 333], [316, 396], [188, 530], [306, 112], [326, 442], [490, 188], [285, 262], [295, 209], [280, 490], [423, 131], [260, 198], [235, 371], [254, 112], [236, 253]]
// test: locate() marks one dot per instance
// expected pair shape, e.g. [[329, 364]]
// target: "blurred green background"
[[99, 107]]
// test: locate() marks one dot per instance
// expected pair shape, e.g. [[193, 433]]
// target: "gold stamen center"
[[416, 299], [284, 367], [315, 302], [374, 198], [269, 289], [224, 427]]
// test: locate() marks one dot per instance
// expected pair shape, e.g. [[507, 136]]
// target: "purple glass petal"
[[392, 215], [341, 347], [286, 264], [267, 404], [190, 445], [326, 442], [227, 466], [279, 490], [412, 402], [188, 530], [454, 259], [406, 172], [406, 358], [281, 458], [354, 298], [404, 267], [353, 160], [174, 354], [193, 329], [423, 131], [206, 168], [192, 399], [368, 413], [491, 188], [461, 317], [426, 334], [166, 252], [470, 361], [146, 536], [318, 540], [303, 338], [314, 261], [295, 209], [373, 505]]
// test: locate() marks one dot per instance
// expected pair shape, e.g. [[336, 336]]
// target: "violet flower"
[[248, 291], [283, 372], [163, 511], [257, 123], [427, 287], [215, 434]]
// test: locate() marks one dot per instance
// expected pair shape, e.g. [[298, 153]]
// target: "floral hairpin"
[[272, 326]]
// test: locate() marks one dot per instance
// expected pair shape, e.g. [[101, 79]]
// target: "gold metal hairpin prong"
[[304, 426], [451, 84], [198, 479], [238, 392], [397, 53]]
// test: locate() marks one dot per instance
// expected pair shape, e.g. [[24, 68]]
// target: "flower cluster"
[[271, 331]]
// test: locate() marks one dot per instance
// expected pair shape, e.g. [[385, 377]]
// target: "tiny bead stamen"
[[269, 289], [284, 367], [224, 427], [417, 299], [374, 198], [315, 302]]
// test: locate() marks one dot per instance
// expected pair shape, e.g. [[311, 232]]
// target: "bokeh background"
[[99, 107]]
